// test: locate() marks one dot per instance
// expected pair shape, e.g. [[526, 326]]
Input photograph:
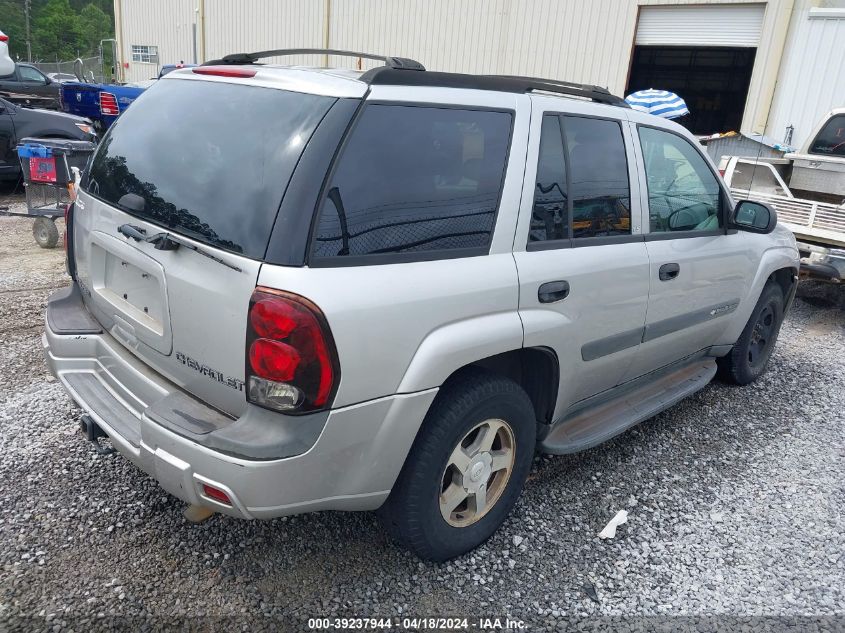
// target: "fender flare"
[[773, 259], [448, 348]]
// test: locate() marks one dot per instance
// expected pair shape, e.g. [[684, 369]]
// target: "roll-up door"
[[701, 25]]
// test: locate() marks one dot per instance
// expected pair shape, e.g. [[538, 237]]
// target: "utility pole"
[[27, 5]]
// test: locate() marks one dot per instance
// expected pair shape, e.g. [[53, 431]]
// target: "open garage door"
[[703, 53]]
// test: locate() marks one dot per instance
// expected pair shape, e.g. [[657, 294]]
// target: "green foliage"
[[63, 29], [13, 24], [96, 26]]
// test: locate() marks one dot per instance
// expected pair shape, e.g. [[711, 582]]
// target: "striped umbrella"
[[658, 102]]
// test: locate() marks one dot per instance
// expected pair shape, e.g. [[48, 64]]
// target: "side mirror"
[[754, 217]]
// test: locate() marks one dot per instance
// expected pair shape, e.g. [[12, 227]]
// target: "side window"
[[683, 193], [831, 139], [30, 74], [601, 198], [415, 179], [748, 176], [550, 214]]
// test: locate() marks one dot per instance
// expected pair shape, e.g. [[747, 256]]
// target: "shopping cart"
[[49, 178]]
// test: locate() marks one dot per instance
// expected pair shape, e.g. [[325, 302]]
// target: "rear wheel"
[[750, 355], [466, 468], [45, 232]]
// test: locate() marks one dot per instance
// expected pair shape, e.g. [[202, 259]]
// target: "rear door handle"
[[668, 271], [553, 291]]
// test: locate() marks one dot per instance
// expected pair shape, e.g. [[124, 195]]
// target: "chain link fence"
[[92, 69]]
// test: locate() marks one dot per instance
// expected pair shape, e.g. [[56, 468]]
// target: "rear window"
[[831, 140], [415, 181], [209, 160]]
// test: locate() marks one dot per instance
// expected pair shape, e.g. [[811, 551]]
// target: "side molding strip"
[[632, 338], [683, 321]]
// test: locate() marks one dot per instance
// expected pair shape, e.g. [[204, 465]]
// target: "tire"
[[470, 409], [749, 357], [45, 232]]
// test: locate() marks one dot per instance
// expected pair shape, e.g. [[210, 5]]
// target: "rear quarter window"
[[831, 140], [209, 160], [415, 181]]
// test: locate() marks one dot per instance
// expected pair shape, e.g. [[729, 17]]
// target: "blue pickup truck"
[[103, 103]]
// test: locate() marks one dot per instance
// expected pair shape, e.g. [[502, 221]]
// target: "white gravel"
[[734, 501]]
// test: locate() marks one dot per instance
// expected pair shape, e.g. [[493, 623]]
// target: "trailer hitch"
[[93, 433]]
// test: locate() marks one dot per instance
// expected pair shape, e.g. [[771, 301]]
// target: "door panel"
[[685, 312], [596, 329], [697, 272], [578, 230]]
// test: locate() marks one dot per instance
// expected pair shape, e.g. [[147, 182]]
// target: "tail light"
[[108, 104], [722, 173], [4, 38], [224, 71], [291, 362]]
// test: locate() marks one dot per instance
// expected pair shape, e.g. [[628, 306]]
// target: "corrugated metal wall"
[[577, 40], [256, 25], [812, 79], [167, 24]]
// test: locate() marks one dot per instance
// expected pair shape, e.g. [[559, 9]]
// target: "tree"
[[57, 32], [96, 26], [14, 25]]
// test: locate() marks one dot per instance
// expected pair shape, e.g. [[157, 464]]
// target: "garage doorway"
[[712, 80]]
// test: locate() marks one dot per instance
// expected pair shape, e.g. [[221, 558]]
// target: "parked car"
[[169, 68], [30, 87], [17, 122], [494, 266], [807, 188], [7, 65]]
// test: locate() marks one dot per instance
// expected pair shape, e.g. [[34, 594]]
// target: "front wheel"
[[466, 468], [750, 355]]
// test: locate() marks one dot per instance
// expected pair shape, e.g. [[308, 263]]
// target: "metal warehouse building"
[[758, 67]]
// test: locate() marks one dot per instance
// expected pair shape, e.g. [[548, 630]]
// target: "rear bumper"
[[347, 459], [822, 263]]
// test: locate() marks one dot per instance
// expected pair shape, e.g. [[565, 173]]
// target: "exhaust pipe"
[[196, 513]]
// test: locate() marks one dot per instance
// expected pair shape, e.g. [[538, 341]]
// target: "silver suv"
[[301, 289]]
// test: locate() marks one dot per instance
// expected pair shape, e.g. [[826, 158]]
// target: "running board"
[[590, 425]]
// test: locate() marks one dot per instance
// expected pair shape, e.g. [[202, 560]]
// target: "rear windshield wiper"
[[168, 242]]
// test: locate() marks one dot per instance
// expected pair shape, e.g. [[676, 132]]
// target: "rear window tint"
[[415, 179], [598, 171], [210, 160]]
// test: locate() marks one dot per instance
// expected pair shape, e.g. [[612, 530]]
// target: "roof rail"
[[502, 83], [394, 63]]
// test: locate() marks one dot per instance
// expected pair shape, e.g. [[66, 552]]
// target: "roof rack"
[[394, 63], [502, 83]]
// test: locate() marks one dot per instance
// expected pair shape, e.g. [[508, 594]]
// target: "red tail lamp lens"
[[272, 319], [224, 71], [108, 104], [290, 345], [273, 360], [218, 495]]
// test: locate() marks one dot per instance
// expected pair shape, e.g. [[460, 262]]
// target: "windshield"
[[210, 160]]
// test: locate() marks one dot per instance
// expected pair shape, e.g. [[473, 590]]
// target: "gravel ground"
[[734, 497]]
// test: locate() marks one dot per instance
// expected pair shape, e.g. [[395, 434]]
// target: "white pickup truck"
[[807, 188]]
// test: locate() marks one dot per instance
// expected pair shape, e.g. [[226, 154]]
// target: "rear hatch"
[[174, 217]]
